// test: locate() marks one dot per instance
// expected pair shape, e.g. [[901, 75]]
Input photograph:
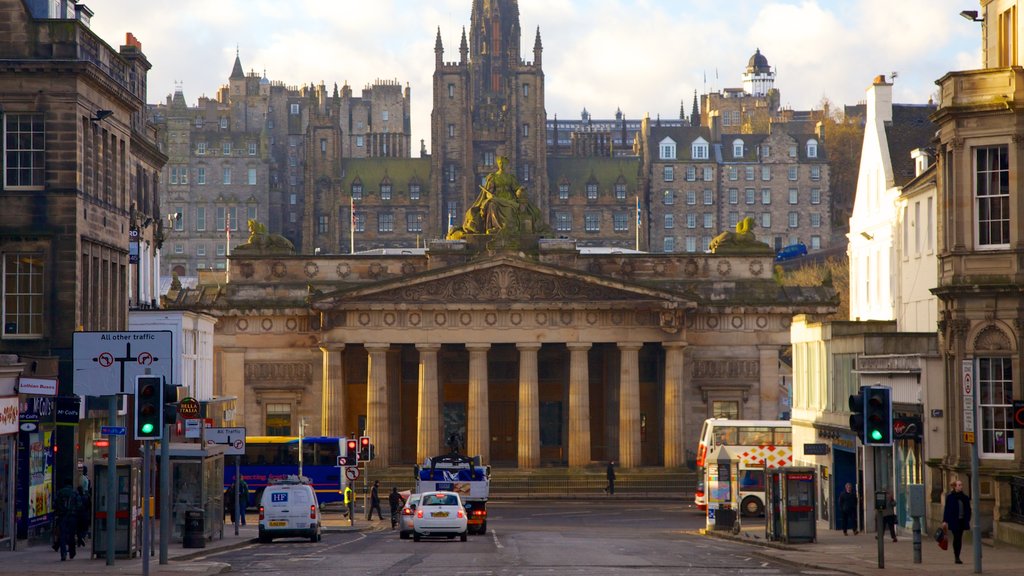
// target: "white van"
[[289, 508]]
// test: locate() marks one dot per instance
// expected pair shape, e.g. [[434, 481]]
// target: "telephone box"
[[128, 510], [792, 502]]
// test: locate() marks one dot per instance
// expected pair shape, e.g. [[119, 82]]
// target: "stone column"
[[675, 442], [629, 404], [231, 373], [377, 402], [529, 407], [332, 408], [478, 427], [579, 404], [428, 416]]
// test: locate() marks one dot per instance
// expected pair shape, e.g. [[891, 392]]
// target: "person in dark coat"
[[610, 475], [84, 515], [66, 512], [956, 516], [374, 502], [848, 510], [395, 504]]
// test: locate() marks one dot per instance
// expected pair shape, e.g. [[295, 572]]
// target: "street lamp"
[[971, 15]]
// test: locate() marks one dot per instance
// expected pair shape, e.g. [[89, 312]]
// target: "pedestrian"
[[395, 504], [848, 510], [610, 474], [66, 515], [350, 500], [956, 516], [243, 498], [84, 516], [229, 503], [83, 481], [889, 517], [374, 502]]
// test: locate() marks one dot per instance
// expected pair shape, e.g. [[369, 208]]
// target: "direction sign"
[[113, 430], [106, 363], [351, 472], [233, 439]]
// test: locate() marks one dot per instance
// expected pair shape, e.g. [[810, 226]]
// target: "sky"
[[645, 57]]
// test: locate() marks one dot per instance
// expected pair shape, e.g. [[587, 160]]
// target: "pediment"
[[505, 282]]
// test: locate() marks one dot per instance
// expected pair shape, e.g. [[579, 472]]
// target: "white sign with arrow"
[[233, 439]]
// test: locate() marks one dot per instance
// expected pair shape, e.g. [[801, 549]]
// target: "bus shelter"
[[197, 485], [790, 516]]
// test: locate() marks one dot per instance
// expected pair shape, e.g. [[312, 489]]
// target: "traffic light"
[[365, 449], [857, 413], [878, 416], [149, 407], [351, 452], [170, 403]]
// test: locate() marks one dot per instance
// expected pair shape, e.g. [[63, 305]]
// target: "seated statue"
[[260, 242], [742, 240], [501, 207]]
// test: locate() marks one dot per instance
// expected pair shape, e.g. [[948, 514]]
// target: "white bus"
[[761, 444]]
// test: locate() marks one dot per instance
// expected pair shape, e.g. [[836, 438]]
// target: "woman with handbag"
[[956, 516]]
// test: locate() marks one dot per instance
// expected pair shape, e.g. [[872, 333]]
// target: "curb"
[[772, 557]]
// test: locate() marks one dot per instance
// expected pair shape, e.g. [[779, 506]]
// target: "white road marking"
[[497, 544]]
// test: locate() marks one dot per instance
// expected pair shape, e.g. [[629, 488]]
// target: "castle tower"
[[758, 80], [489, 103]]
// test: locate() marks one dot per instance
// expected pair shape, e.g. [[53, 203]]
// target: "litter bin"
[[725, 519], [194, 536]]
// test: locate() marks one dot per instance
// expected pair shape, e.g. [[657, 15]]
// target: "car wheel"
[[265, 539], [403, 535], [415, 536], [463, 536], [751, 506], [483, 528]]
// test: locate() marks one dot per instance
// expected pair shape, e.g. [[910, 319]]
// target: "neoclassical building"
[[558, 356]]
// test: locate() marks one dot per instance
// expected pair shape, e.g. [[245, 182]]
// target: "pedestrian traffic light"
[[857, 413], [351, 452], [364, 449], [878, 416], [149, 407]]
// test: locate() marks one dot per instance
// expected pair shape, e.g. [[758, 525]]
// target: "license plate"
[[438, 514], [278, 523]]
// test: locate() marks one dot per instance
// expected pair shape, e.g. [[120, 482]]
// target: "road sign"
[[351, 472], [113, 430], [345, 461], [106, 363], [968, 437], [967, 389], [232, 439]]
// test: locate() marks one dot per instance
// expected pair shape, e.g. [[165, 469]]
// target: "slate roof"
[[910, 128], [372, 171], [606, 171]]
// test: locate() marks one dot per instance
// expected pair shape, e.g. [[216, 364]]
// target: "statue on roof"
[[502, 207], [260, 242], [740, 241]]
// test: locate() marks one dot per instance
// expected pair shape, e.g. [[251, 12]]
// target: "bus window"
[[263, 455], [751, 480], [783, 436], [725, 435], [755, 436]]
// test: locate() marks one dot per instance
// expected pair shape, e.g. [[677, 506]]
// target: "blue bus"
[[276, 457]]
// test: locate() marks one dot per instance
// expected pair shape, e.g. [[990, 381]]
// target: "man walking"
[[610, 474], [374, 502], [350, 501], [848, 510], [66, 512], [395, 504], [242, 489], [956, 517]]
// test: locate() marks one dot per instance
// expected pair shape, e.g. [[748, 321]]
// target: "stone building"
[[563, 357], [80, 181], [980, 234]]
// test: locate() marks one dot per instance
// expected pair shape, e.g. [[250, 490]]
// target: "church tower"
[[487, 104]]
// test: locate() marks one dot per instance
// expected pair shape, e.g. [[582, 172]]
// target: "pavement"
[[832, 552], [39, 558]]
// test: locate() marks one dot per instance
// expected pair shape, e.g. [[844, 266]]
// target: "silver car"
[[441, 514], [406, 516]]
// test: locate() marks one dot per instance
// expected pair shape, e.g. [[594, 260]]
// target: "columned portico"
[[428, 417], [675, 450], [332, 408], [377, 402], [529, 407], [478, 429], [629, 404], [579, 404]]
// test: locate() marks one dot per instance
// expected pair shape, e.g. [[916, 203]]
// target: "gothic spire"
[[236, 71], [695, 114]]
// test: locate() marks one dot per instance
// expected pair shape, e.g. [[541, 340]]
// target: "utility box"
[[917, 501]]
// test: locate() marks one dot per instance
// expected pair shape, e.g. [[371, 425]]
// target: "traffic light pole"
[[165, 492], [146, 521]]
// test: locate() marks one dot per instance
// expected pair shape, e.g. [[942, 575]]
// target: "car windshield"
[[440, 500]]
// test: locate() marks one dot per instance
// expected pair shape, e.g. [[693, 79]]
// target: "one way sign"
[[233, 439]]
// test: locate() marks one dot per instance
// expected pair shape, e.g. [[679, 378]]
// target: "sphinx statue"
[[740, 241], [262, 243]]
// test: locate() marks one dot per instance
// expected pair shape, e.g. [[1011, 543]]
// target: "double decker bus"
[[270, 458], [759, 444]]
